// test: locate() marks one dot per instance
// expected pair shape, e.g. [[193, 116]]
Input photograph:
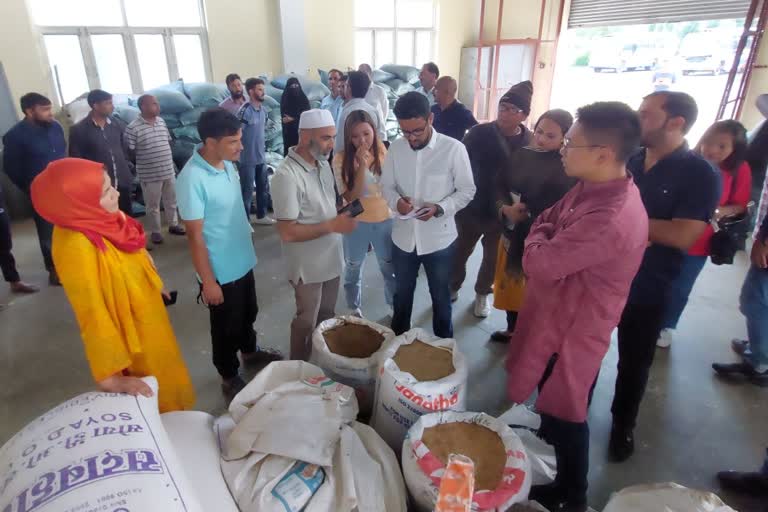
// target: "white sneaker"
[[356, 312], [482, 306], [264, 221], [665, 338]]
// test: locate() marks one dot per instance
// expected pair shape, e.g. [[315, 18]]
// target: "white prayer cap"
[[315, 118]]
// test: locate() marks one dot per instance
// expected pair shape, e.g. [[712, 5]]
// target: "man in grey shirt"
[[305, 207]]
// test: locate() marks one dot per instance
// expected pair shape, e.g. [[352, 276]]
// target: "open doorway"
[[625, 63]]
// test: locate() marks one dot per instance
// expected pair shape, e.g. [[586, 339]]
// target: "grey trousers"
[[154, 192], [315, 302]]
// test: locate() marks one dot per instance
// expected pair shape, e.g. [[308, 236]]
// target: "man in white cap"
[[304, 198]]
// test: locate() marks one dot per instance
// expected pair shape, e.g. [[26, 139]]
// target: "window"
[[394, 31], [121, 46]]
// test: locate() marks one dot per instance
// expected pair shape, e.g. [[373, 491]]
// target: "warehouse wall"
[[25, 64], [244, 37], [330, 33]]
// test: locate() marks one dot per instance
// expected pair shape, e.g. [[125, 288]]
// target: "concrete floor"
[[691, 424]]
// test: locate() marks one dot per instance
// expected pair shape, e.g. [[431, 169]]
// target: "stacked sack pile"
[[180, 107]]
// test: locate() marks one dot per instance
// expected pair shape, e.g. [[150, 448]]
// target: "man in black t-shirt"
[[680, 191]]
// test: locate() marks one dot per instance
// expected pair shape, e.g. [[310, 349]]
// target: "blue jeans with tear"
[[754, 306], [378, 235]]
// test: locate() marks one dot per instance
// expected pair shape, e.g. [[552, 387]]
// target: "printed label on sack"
[[297, 487], [96, 452], [436, 403]]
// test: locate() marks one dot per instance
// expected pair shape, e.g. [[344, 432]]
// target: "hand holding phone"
[[354, 208], [170, 300]]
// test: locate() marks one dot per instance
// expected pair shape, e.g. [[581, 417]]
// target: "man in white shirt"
[[354, 92], [376, 94], [426, 179], [428, 78]]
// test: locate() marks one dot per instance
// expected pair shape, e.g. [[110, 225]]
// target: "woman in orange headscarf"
[[112, 284]]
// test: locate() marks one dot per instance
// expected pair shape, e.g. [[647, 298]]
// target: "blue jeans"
[[438, 266], [680, 289], [379, 235], [248, 175], [754, 306]]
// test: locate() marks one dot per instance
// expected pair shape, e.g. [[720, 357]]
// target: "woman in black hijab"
[[292, 104]]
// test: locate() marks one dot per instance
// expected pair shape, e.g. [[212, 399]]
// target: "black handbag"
[[730, 238], [730, 234]]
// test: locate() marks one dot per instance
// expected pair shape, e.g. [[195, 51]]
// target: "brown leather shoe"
[[22, 287], [747, 482]]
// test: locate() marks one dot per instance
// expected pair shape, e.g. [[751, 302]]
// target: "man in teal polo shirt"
[[211, 205]]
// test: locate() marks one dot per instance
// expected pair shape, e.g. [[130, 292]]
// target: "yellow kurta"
[[508, 291], [123, 322]]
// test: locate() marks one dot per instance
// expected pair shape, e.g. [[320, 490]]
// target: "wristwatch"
[[440, 212]]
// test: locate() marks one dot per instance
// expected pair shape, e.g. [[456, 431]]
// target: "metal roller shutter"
[[601, 13]]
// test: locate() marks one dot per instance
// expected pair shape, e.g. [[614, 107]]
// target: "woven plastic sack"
[[382, 76], [665, 497], [398, 86], [401, 399], [191, 116], [126, 113], [423, 470], [406, 73], [206, 94], [358, 373], [97, 451], [188, 133]]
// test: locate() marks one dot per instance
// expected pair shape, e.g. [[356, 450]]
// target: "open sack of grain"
[[419, 374], [97, 451], [290, 443], [348, 349], [502, 470]]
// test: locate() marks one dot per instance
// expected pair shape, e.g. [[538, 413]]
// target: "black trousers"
[[511, 321], [125, 202], [639, 329], [45, 238], [7, 262], [571, 443], [232, 324]]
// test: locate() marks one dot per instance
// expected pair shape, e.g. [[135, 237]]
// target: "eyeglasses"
[[567, 144], [418, 132], [507, 108]]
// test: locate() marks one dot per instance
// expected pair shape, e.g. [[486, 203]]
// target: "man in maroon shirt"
[[580, 258]]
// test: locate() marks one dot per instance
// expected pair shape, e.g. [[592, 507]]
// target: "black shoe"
[[231, 387], [501, 337], [262, 356], [749, 483], [745, 370], [622, 444], [549, 495]]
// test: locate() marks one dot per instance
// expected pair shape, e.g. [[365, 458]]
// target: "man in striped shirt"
[[148, 141]]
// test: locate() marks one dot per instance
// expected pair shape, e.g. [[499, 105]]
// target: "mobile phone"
[[354, 208], [421, 212], [170, 302]]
